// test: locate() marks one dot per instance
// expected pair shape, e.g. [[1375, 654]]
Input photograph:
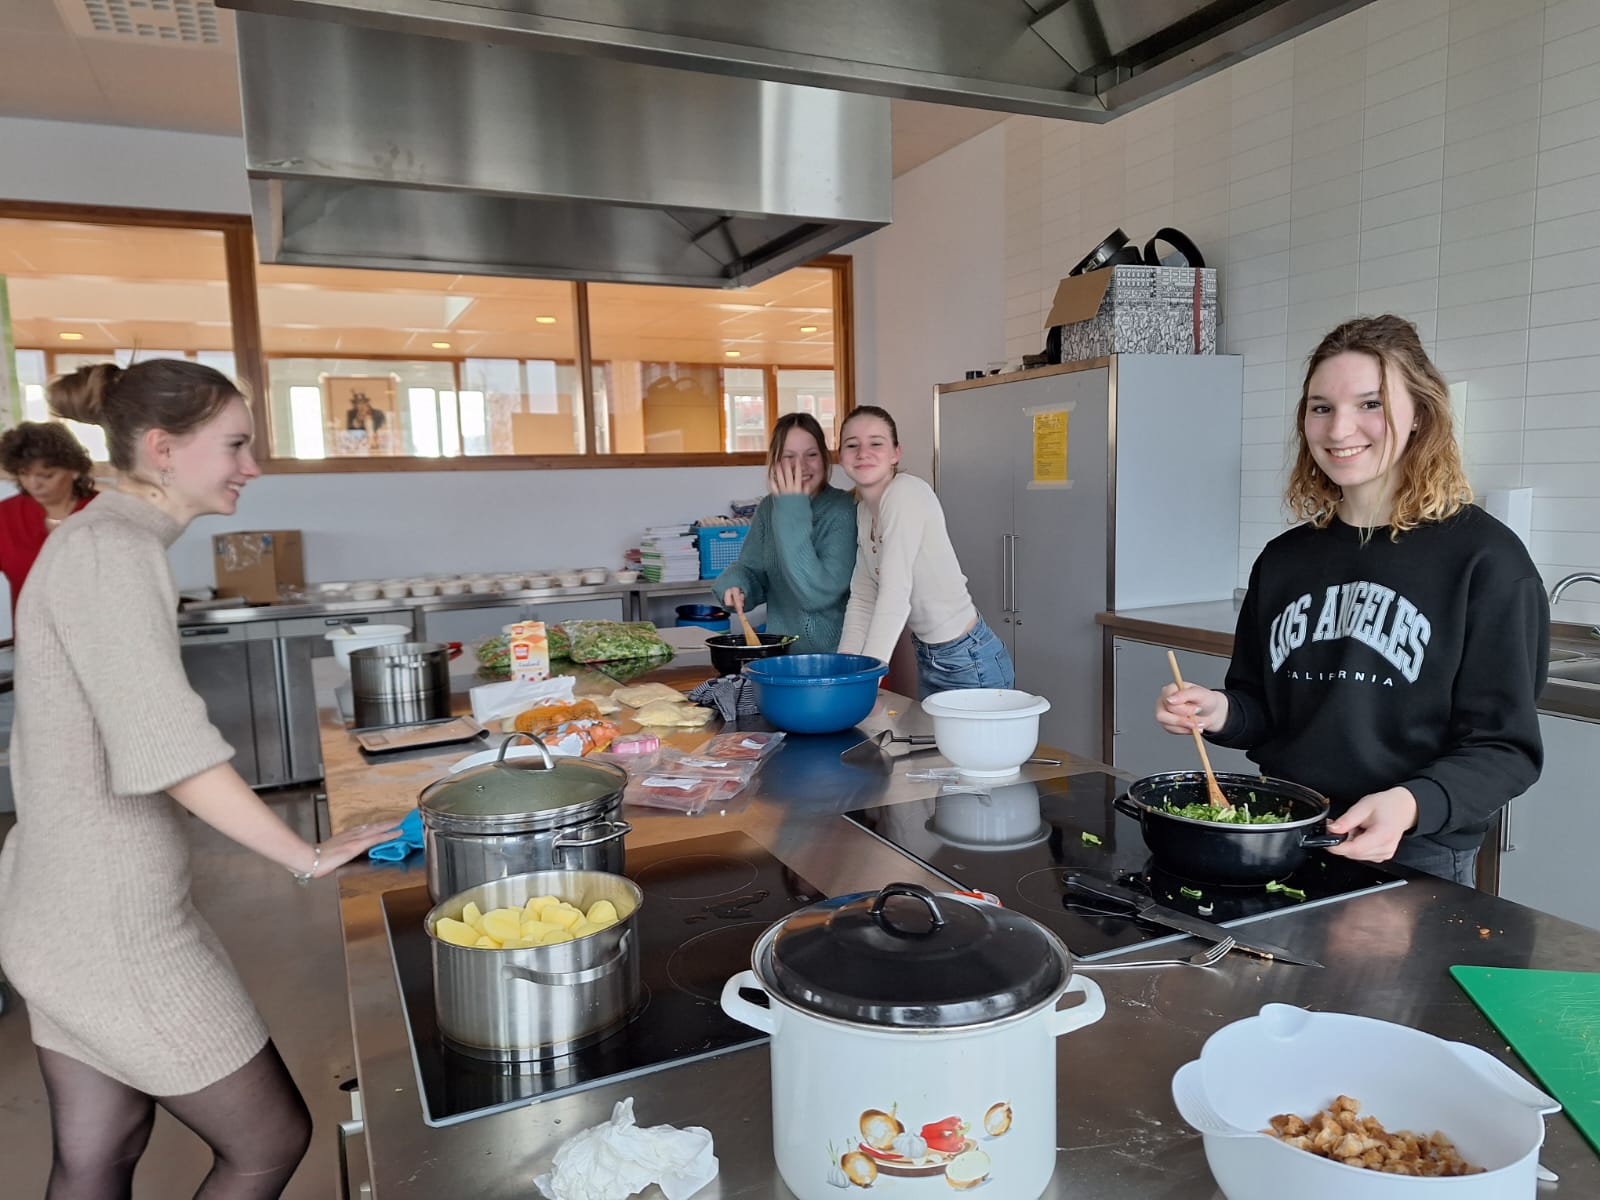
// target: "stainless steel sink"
[[1582, 671]]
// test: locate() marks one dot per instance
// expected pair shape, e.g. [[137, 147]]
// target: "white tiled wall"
[[1435, 158]]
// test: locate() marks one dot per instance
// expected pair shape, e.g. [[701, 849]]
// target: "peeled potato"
[[539, 921], [539, 903], [457, 933], [503, 923], [563, 915]]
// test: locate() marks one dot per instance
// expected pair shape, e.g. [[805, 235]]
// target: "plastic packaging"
[[736, 744], [687, 794], [700, 765]]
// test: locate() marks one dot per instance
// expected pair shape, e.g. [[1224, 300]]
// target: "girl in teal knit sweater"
[[801, 548]]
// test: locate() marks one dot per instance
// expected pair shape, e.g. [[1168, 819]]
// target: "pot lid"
[[906, 957], [513, 789]]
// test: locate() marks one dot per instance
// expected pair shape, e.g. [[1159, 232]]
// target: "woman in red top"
[[55, 478]]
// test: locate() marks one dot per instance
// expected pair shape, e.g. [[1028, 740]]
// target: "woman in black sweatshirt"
[[1391, 648]]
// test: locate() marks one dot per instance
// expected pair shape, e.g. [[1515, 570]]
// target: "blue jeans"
[[1424, 854], [976, 659]]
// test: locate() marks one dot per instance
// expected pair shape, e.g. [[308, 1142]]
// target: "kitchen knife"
[[1083, 885]]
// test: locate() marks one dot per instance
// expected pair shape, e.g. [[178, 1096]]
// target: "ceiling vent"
[[196, 23]]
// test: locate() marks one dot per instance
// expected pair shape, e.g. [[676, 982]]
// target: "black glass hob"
[[1015, 840], [706, 902]]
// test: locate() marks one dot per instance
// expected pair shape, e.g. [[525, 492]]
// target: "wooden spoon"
[[750, 638], [1214, 796]]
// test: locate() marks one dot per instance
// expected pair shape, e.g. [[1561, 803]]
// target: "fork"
[[1209, 957]]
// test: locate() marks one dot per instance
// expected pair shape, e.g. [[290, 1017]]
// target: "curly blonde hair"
[[1432, 483]]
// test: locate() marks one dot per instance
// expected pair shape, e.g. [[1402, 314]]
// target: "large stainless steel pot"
[[543, 1001], [401, 683], [517, 815]]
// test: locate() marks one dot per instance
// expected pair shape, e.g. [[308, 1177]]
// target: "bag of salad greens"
[[606, 641]]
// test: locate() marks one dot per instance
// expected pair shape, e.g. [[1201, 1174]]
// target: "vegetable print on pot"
[[913, 1043]]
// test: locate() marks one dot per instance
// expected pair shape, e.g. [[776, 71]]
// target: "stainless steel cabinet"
[[235, 670], [1548, 834], [1148, 514], [1139, 671], [255, 677]]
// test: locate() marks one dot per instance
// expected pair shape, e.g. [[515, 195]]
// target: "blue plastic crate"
[[719, 548]]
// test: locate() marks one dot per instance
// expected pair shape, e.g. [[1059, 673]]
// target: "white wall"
[[930, 302], [1435, 158], [67, 163]]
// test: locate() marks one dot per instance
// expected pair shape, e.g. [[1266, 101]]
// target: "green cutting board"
[[1552, 1020]]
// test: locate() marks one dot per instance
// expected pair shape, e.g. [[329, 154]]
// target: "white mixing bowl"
[[1288, 1060], [988, 732]]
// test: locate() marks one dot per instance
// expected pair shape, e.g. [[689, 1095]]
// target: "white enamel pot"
[[913, 1044]]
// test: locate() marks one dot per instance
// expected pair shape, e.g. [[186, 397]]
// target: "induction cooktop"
[[706, 902], [1015, 840]]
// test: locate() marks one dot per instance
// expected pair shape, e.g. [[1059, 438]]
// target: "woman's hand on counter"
[[343, 847], [1376, 823], [1180, 710]]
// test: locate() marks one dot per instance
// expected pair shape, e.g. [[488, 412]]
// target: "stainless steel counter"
[[1120, 1135], [325, 608]]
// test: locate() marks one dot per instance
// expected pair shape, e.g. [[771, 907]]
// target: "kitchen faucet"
[[1563, 584]]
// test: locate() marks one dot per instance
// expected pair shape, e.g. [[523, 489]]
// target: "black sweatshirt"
[[1360, 666]]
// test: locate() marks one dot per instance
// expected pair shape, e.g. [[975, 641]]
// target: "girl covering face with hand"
[[906, 570], [112, 749], [800, 550], [1391, 649]]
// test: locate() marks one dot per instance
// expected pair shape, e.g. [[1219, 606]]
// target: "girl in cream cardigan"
[[906, 570]]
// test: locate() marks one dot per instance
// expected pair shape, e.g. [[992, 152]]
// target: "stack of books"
[[669, 554]]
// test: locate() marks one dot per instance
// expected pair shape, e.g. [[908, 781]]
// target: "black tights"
[[254, 1120]]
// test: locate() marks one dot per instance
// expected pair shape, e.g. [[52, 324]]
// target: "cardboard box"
[[1133, 310], [255, 566]]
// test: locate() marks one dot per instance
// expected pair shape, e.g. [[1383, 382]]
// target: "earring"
[[166, 477]]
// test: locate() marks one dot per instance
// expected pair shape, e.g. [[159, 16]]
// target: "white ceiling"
[[54, 66]]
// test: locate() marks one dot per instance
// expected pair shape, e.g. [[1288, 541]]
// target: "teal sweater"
[[797, 559]]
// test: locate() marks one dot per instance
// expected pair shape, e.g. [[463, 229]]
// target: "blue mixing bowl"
[[815, 693]]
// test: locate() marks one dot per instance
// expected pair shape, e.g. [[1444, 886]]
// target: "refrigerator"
[[1076, 489]]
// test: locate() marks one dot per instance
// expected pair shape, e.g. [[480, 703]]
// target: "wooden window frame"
[[244, 313]]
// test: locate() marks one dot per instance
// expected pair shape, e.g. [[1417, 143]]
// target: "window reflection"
[[365, 364]]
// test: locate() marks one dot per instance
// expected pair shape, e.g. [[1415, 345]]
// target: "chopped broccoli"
[[1238, 815], [1090, 839], [1293, 893]]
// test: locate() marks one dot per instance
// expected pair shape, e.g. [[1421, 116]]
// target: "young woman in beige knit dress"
[[135, 1003]]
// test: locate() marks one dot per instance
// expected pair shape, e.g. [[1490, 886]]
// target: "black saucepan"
[[729, 652], [1218, 852]]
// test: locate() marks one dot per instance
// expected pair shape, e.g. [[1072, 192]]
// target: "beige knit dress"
[[97, 930]]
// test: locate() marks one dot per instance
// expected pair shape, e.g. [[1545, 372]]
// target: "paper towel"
[[614, 1160]]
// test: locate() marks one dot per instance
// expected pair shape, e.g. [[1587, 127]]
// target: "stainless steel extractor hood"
[[374, 148], [1085, 60]]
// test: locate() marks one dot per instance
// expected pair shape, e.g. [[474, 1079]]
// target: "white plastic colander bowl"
[[1288, 1060]]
